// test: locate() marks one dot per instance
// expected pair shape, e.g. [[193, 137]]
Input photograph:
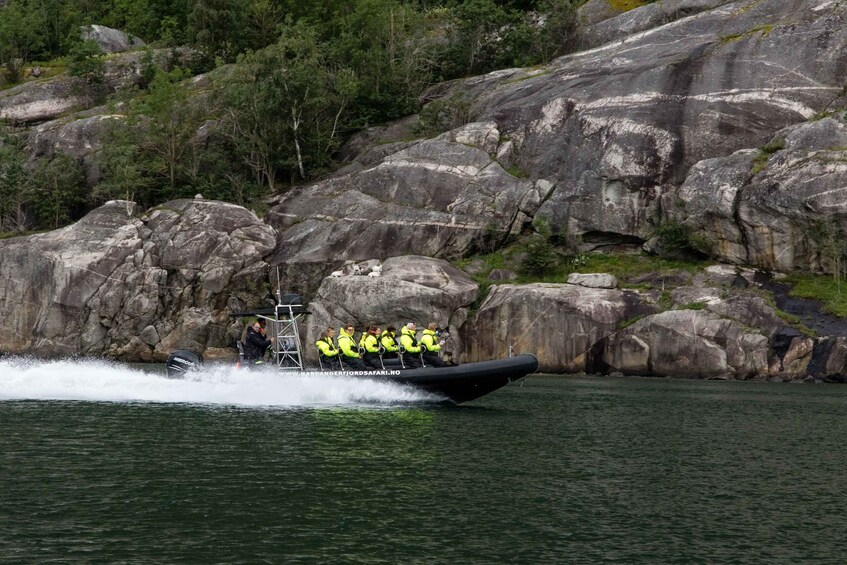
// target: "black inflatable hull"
[[463, 383], [459, 383]]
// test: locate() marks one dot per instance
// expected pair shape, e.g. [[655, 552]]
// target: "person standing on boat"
[[431, 346], [327, 351], [370, 345], [255, 343], [388, 340], [409, 342], [350, 358]]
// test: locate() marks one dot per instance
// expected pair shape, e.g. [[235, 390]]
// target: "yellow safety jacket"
[[388, 342], [346, 344], [429, 341], [326, 347], [370, 344], [407, 340]]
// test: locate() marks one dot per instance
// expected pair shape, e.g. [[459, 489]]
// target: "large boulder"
[[409, 289], [684, 343], [134, 286], [110, 40], [440, 197], [558, 323], [42, 100], [778, 207]]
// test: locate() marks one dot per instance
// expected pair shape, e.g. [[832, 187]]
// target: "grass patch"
[[692, 306], [517, 172], [626, 323], [832, 295], [13, 234], [623, 267], [765, 29], [527, 77], [627, 5], [628, 266], [765, 153]]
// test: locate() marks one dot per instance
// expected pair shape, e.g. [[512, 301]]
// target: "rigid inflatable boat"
[[457, 383]]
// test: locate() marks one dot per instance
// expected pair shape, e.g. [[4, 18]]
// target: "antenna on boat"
[[287, 312]]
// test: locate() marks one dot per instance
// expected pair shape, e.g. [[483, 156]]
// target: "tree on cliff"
[[19, 39], [283, 106], [15, 186], [148, 156]]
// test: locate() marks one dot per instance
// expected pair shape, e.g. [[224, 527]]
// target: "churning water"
[[24, 379], [101, 463]]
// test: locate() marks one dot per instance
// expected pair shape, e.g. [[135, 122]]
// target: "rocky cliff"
[[725, 117]]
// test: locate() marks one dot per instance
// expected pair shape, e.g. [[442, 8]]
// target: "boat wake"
[[99, 381]]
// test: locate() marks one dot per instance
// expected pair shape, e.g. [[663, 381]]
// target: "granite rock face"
[[557, 322], [616, 127], [597, 142], [776, 208], [409, 289], [684, 343], [602, 23], [110, 40], [441, 197], [134, 286]]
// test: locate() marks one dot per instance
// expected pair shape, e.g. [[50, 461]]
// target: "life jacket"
[[429, 341], [346, 344], [370, 343], [388, 341], [407, 340], [326, 347]]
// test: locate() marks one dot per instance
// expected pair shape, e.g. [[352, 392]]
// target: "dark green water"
[[557, 470]]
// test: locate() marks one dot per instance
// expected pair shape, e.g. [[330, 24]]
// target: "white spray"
[[22, 379]]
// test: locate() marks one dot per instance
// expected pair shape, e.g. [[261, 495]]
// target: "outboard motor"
[[181, 361]]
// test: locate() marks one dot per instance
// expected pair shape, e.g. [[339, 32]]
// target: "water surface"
[[110, 464]]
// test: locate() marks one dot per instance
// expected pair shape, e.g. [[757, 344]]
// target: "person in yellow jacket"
[[370, 345], [327, 352], [350, 358], [388, 341], [409, 342], [431, 346]]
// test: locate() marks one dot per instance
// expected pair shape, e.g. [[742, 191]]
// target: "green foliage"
[[20, 39], [15, 187], [761, 160], [680, 238], [85, 62], [152, 156], [482, 294], [540, 259], [218, 27], [59, 191], [692, 306], [831, 246], [284, 106], [820, 287], [444, 114]]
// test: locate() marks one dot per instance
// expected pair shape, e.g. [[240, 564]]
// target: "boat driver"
[[255, 343]]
